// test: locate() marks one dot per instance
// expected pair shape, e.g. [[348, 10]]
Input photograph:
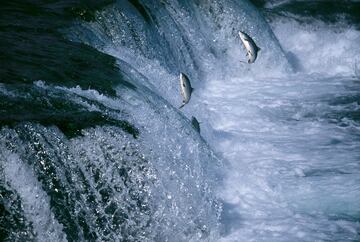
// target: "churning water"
[[277, 159]]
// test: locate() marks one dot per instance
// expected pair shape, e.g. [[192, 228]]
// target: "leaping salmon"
[[185, 89], [250, 46]]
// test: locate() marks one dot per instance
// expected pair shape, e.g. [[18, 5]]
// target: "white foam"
[[34, 200], [273, 147], [318, 48]]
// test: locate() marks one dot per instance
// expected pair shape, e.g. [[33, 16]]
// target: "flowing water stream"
[[93, 146]]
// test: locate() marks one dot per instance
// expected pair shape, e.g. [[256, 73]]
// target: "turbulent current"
[[93, 146]]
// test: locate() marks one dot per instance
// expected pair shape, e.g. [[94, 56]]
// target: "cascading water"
[[99, 151]]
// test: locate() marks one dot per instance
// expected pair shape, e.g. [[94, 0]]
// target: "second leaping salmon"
[[185, 89], [250, 46], [195, 123]]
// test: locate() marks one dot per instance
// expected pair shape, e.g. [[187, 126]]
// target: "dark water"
[[93, 148], [330, 12], [33, 48]]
